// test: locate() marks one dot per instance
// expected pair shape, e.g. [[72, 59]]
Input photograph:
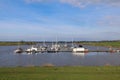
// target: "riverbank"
[[10, 43], [114, 44], [60, 73]]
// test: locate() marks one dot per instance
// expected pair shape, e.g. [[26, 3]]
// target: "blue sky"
[[65, 19]]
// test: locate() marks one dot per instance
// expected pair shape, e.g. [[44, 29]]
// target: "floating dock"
[[61, 48], [53, 51]]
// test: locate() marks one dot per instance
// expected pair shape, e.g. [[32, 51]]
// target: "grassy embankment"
[[115, 44], [15, 43], [60, 73]]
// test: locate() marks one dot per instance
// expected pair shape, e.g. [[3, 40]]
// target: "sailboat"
[[19, 49], [65, 45], [72, 44], [32, 50], [55, 47]]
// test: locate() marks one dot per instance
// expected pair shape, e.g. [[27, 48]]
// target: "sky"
[[66, 20]]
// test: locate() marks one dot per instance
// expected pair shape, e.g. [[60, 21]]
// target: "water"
[[10, 59]]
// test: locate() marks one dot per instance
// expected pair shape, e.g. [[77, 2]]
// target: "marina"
[[64, 57], [53, 48]]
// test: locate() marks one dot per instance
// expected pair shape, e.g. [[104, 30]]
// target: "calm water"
[[10, 59]]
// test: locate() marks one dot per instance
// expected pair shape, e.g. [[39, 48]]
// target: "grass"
[[3, 43], [60, 73], [115, 44]]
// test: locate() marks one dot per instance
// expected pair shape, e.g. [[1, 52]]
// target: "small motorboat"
[[18, 50], [80, 48]]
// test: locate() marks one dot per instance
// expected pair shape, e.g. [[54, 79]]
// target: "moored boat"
[[18, 50], [32, 50], [79, 49]]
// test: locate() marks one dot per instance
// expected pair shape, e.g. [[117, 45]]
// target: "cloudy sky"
[[64, 19]]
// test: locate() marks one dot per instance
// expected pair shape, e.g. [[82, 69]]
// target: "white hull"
[[32, 50], [79, 50], [18, 50]]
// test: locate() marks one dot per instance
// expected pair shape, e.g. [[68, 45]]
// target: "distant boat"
[[80, 49], [55, 48], [32, 50], [18, 50]]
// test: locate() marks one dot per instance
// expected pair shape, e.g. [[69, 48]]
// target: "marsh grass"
[[115, 44], [60, 73]]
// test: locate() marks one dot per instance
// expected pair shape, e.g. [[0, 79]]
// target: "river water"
[[10, 59]]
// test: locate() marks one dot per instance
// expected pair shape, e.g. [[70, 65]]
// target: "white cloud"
[[110, 21], [82, 3], [19, 30], [13, 30]]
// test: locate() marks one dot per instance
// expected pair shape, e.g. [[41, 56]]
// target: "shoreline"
[[114, 44]]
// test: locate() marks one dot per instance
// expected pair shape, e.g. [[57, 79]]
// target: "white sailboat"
[[55, 47], [32, 50], [19, 49]]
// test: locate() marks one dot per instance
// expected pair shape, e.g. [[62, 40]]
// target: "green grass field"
[[60, 73], [16, 43], [115, 44]]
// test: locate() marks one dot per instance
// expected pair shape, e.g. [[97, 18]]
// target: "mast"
[[56, 41], [72, 43], [44, 44]]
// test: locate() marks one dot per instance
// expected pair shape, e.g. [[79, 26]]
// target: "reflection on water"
[[79, 54], [9, 58]]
